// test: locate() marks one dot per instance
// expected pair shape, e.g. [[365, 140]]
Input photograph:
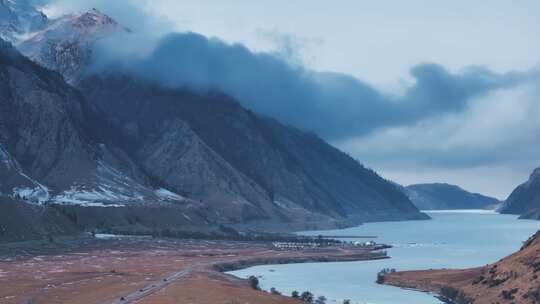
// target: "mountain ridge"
[[437, 196]]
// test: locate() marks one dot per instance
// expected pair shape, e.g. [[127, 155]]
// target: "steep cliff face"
[[439, 196], [525, 199]]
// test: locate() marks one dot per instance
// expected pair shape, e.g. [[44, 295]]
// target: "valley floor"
[[150, 271]]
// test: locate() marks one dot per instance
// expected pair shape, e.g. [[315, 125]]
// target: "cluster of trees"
[[453, 295], [382, 273], [254, 282], [306, 296]]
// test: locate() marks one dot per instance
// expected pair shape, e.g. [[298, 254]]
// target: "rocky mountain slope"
[[525, 199], [230, 154], [117, 152], [298, 172], [50, 158], [514, 279], [45, 135], [438, 196]]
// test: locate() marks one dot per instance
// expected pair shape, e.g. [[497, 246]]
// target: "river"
[[452, 239]]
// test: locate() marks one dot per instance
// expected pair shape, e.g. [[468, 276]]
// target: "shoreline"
[[447, 285], [225, 267]]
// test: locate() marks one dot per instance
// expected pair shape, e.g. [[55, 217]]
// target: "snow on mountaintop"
[[91, 25], [18, 19], [66, 44]]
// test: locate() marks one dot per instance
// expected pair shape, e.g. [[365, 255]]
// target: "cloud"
[[333, 105], [497, 133], [292, 48]]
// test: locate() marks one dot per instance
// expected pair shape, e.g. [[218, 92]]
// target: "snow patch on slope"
[[167, 195], [38, 195], [113, 189], [90, 198], [109, 187]]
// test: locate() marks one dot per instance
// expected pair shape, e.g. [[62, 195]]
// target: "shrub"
[[254, 282], [383, 273], [306, 297]]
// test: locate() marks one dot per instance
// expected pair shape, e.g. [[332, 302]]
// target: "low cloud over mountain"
[[334, 105], [437, 123]]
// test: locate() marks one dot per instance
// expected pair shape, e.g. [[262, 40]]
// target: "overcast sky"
[[486, 141]]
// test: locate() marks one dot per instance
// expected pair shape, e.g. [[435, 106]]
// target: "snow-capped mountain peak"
[[86, 26], [66, 44], [94, 19]]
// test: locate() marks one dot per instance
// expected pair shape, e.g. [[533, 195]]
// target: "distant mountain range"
[[440, 196], [525, 199], [111, 152]]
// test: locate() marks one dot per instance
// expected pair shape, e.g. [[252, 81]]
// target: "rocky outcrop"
[[438, 196], [525, 199]]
